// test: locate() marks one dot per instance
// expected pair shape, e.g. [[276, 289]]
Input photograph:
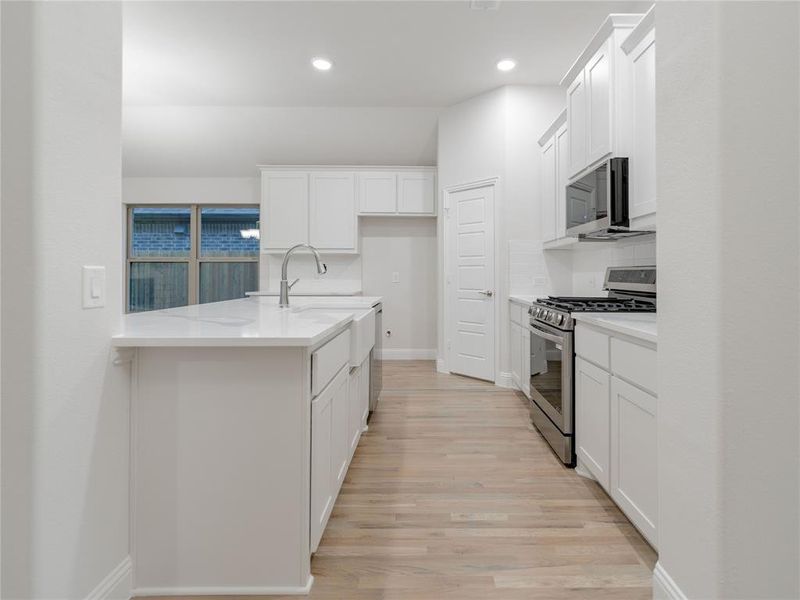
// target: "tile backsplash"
[[589, 263], [534, 272]]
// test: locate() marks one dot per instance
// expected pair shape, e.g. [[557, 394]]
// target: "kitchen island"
[[244, 418]]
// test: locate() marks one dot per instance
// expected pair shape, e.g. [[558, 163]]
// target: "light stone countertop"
[[254, 321], [522, 299], [639, 325]]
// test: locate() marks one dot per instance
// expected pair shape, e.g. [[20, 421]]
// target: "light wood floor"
[[452, 494]]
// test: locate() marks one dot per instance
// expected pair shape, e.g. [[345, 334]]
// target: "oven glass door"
[[551, 374]]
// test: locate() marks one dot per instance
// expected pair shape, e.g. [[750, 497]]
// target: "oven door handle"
[[557, 339]]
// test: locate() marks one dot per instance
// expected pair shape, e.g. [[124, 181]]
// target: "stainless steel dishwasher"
[[375, 360]]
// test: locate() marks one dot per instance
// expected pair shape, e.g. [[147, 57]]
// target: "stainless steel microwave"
[[597, 203]]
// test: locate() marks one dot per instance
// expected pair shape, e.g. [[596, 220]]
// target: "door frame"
[[448, 262]]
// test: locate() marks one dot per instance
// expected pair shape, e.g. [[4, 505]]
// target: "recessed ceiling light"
[[506, 64], [321, 64]]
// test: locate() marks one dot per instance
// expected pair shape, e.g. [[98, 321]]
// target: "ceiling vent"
[[484, 4]]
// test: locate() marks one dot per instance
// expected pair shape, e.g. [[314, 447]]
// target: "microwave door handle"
[[556, 339]]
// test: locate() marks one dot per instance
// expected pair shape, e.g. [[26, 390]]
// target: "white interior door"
[[471, 282]]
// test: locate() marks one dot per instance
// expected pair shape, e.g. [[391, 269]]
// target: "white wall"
[[727, 142], [191, 190], [65, 406], [406, 246], [494, 135], [229, 141]]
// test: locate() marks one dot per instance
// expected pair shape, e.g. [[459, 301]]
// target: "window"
[[179, 255]]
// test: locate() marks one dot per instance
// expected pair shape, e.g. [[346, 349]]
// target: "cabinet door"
[[598, 93], [332, 211], [322, 491], [355, 408], [340, 430], [592, 413], [576, 124], [525, 375], [416, 193], [377, 192], [643, 154], [284, 209], [516, 355], [634, 478], [562, 174], [364, 393], [549, 191]]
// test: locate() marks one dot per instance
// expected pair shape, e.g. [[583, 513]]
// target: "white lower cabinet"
[[322, 465], [516, 354], [520, 348], [340, 439], [526, 363], [634, 480], [592, 419], [338, 417], [616, 422], [359, 403]]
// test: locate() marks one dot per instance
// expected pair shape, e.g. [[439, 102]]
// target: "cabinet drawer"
[[517, 311], [591, 345], [327, 360], [636, 363]]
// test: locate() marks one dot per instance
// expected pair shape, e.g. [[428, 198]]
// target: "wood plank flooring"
[[453, 494]]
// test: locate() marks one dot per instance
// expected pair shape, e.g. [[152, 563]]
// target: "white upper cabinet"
[[284, 209], [598, 102], [555, 156], [332, 211], [597, 98], [641, 52], [576, 123], [402, 192], [377, 192], [549, 196], [320, 205], [562, 168], [416, 193]]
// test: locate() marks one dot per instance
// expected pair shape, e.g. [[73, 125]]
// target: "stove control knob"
[[544, 314], [560, 319]]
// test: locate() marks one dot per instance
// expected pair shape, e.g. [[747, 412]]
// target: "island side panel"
[[220, 474]]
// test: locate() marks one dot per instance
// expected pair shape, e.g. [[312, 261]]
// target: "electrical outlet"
[[395, 277]]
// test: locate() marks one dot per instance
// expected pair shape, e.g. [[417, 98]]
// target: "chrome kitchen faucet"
[[285, 285]]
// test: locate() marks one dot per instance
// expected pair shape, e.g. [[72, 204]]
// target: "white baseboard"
[[580, 469], [664, 587], [408, 354], [117, 585], [228, 591], [505, 380], [441, 366]]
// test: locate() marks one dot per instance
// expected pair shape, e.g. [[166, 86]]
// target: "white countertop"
[[522, 299], [638, 325], [255, 321]]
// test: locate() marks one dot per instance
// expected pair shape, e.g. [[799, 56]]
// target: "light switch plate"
[[395, 277], [94, 287]]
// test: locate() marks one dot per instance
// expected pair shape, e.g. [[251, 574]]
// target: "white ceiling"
[[430, 54]]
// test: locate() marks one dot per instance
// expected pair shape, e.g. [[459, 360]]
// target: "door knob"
[[489, 293]]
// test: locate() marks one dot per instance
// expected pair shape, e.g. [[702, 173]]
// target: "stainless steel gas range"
[[630, 289]]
